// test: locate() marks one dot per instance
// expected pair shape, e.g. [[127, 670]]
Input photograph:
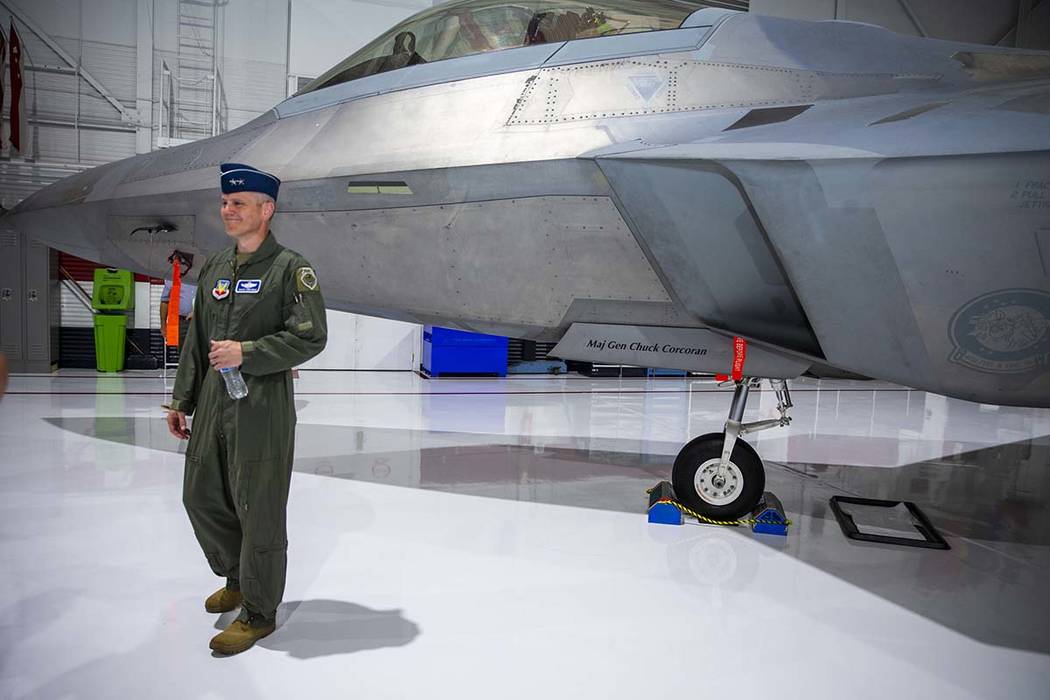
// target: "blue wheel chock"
[[663, 513], [768, 517]]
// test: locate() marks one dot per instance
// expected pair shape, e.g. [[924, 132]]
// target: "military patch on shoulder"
[[306, 280]]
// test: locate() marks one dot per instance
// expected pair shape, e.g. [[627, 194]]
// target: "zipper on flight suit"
[[229, 311], [231, 404], [233, 297]]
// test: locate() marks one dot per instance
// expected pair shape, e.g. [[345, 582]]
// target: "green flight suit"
[[239, 457]]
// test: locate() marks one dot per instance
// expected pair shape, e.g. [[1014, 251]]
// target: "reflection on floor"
[[519, 541]]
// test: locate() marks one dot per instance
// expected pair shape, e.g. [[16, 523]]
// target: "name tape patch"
[[249, 286]]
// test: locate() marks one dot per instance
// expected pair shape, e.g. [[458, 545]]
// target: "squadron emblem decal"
[[1004, 332], [306, 280], [221, 289]]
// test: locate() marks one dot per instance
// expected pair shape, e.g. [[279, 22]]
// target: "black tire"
[[707, 447]]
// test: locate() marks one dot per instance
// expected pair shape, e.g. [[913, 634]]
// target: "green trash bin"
[[114, 290], [110, 331], [113, 294]]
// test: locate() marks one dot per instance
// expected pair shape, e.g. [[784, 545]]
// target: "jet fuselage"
[[839, 195]]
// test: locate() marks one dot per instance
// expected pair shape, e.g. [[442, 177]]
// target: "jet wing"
[[899, 223]]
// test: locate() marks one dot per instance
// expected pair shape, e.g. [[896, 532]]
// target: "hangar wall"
[[100, 76]]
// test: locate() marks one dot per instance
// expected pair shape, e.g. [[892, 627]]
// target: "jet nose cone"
[[56, 215], [74, 189], [19, 217]]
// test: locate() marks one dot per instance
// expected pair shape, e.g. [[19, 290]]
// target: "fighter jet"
[[658, 183]]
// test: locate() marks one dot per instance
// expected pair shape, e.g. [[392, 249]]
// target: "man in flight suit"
[[258, 307]]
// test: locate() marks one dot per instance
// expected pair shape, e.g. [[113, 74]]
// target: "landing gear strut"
[[719, 475]]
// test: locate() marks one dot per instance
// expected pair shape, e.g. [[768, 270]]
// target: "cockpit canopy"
[[468, 27]]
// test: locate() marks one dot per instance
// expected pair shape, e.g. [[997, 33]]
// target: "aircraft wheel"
[[698, 485]]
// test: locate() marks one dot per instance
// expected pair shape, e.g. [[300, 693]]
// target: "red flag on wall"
[[19, 134]]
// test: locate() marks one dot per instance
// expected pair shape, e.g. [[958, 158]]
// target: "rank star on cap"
[[236, 182]]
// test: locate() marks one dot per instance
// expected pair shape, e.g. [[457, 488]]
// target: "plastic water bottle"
[[235, 385]]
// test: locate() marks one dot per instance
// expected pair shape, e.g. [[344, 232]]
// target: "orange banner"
[[171, 331]]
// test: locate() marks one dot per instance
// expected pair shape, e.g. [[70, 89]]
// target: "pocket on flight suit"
[[191, 469], [195, 494], [264, 587], [194, 484], [242, 490], [262, 497], [264, 552], [270, 562]]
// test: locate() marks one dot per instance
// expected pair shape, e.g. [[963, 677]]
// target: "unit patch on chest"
[[249, 286], [221, 289]]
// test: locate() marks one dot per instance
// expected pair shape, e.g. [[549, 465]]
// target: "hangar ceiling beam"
[[1024, 9], [407, 4], [81, 124], [1018, 34], [906, 6], [144, 78], [125, 114]]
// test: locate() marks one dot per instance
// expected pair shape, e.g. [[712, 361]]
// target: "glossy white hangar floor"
[[486, 538]]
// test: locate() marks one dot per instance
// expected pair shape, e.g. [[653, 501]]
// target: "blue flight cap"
[[237, 177]]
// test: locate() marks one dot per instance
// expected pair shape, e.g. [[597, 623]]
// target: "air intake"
[[767, 115]]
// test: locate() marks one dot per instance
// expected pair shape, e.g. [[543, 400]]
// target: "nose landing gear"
[[717, 474]]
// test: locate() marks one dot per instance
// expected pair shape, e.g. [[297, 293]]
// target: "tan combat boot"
[[223, 600], [241, 634]]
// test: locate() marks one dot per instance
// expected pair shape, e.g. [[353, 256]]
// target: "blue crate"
[[449, 351]]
